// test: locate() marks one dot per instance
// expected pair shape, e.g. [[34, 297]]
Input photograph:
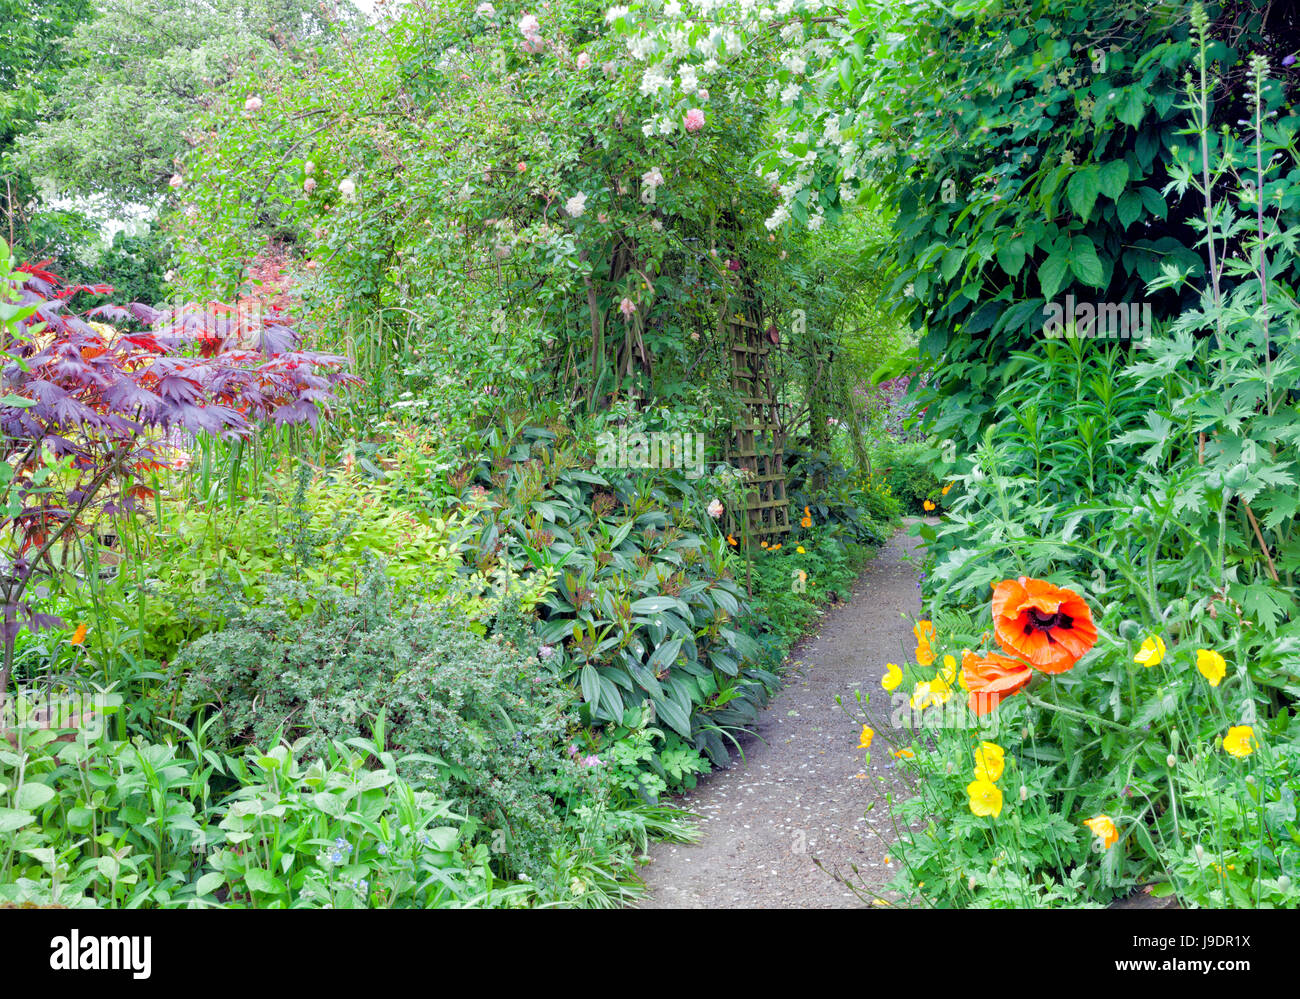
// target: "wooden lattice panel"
[[757, 440]]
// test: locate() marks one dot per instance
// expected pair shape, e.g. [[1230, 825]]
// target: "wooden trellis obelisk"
[[757, 439]]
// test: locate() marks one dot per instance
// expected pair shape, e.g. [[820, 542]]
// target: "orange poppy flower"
[[928, 506], [1049, 627], [78, 636], [991, 677]]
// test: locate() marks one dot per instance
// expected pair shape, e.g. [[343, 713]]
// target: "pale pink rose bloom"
[[176, 180], [521, 166], [253, 104], [309, 184], [702, 94], [584, 60], [602, 218], [715, 509], [694, 120], [528, 25], [627, 307]]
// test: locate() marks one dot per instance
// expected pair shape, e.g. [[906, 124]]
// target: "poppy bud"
[[1171, 761]]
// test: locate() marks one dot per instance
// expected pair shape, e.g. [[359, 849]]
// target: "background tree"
[[123, 113], [31, 62]]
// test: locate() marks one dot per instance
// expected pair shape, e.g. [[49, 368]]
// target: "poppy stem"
[[1083, 715]]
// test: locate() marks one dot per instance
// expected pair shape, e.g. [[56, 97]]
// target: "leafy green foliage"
[[1041, 166], [645, 612], [91, 822], [136, 73], [790, 587], [476, 719]]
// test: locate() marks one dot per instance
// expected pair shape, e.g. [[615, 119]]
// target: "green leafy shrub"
[[791, 586], [909, 471], [644, 612], [477, 720], [93, 822], [828, 493], [320, 529]]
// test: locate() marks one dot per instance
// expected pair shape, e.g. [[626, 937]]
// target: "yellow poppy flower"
[[1239, 741], [1104, 829], [799, 549], [921, 696], [864, 740], [944, 490], [928, 506], [1152, 651], [985, 798], [940, 690], [990, 761], [949, 671], [1211, 665], [893, 677]]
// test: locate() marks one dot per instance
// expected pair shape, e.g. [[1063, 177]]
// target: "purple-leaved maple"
[[91, 401]]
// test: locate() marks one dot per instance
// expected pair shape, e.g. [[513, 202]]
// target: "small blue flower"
[[383, 849], [336, 857], [343, 845]]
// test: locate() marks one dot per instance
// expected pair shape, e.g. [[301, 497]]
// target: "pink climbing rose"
[[715, 509], [531, 30], [627, 307], [694, 120]]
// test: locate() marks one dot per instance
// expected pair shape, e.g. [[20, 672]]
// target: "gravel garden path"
[[800, 793]]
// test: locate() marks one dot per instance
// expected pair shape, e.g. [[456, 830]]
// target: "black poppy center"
[[1037, 620]]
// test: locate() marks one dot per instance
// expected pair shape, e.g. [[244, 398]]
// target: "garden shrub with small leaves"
[[477, 720]]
